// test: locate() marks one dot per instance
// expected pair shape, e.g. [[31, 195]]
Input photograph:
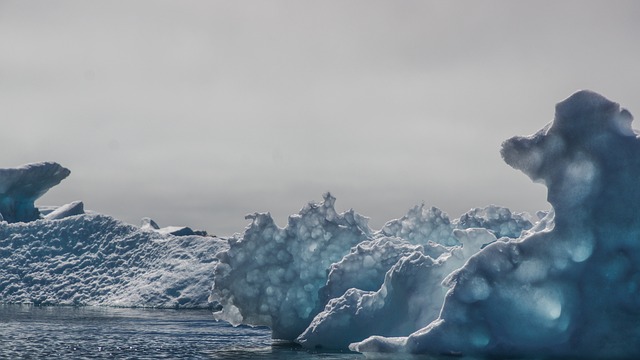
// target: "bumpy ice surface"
[[93, 259], [327, 280], [271, 276]]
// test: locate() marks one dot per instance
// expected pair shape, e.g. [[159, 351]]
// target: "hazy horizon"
[[199, 112]]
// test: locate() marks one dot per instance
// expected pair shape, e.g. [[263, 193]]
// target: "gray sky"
[[198, 112]]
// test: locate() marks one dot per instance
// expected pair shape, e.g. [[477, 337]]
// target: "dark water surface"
[[32, 332]]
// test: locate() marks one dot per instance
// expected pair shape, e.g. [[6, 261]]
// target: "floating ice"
[[69, 257], [570, 287], [410, 296], [491, 283], [21, 186], [271, 276]]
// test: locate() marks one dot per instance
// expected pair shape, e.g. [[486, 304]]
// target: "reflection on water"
[[107, 333]]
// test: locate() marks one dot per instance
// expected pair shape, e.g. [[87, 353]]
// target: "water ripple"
[[108, 333]]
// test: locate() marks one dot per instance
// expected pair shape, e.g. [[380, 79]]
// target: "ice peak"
[[21, 186]]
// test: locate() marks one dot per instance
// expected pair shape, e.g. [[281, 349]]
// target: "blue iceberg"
[[491, 283]]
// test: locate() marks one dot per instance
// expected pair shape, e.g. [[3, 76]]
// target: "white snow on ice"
[[93, 259]]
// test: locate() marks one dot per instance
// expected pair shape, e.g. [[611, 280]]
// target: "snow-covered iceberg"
[[65, 256], [62, 255]]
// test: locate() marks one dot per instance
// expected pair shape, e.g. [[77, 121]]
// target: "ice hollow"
[[570, 286], [20, 187]]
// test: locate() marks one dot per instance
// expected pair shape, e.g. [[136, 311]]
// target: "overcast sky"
[[199, 112]]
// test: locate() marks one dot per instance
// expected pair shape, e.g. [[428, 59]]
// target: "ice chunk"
[[71, 209], [410, 297], [271, 276], [20, 187], [150, 225]]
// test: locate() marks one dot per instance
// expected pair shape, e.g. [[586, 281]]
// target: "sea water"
[[34, 332]]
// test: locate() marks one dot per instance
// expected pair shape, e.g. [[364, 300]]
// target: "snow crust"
[[93, 259]]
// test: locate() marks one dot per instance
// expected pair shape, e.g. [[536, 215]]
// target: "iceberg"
[[327, 279], [66, 256], [570, 289], [491, 283]]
